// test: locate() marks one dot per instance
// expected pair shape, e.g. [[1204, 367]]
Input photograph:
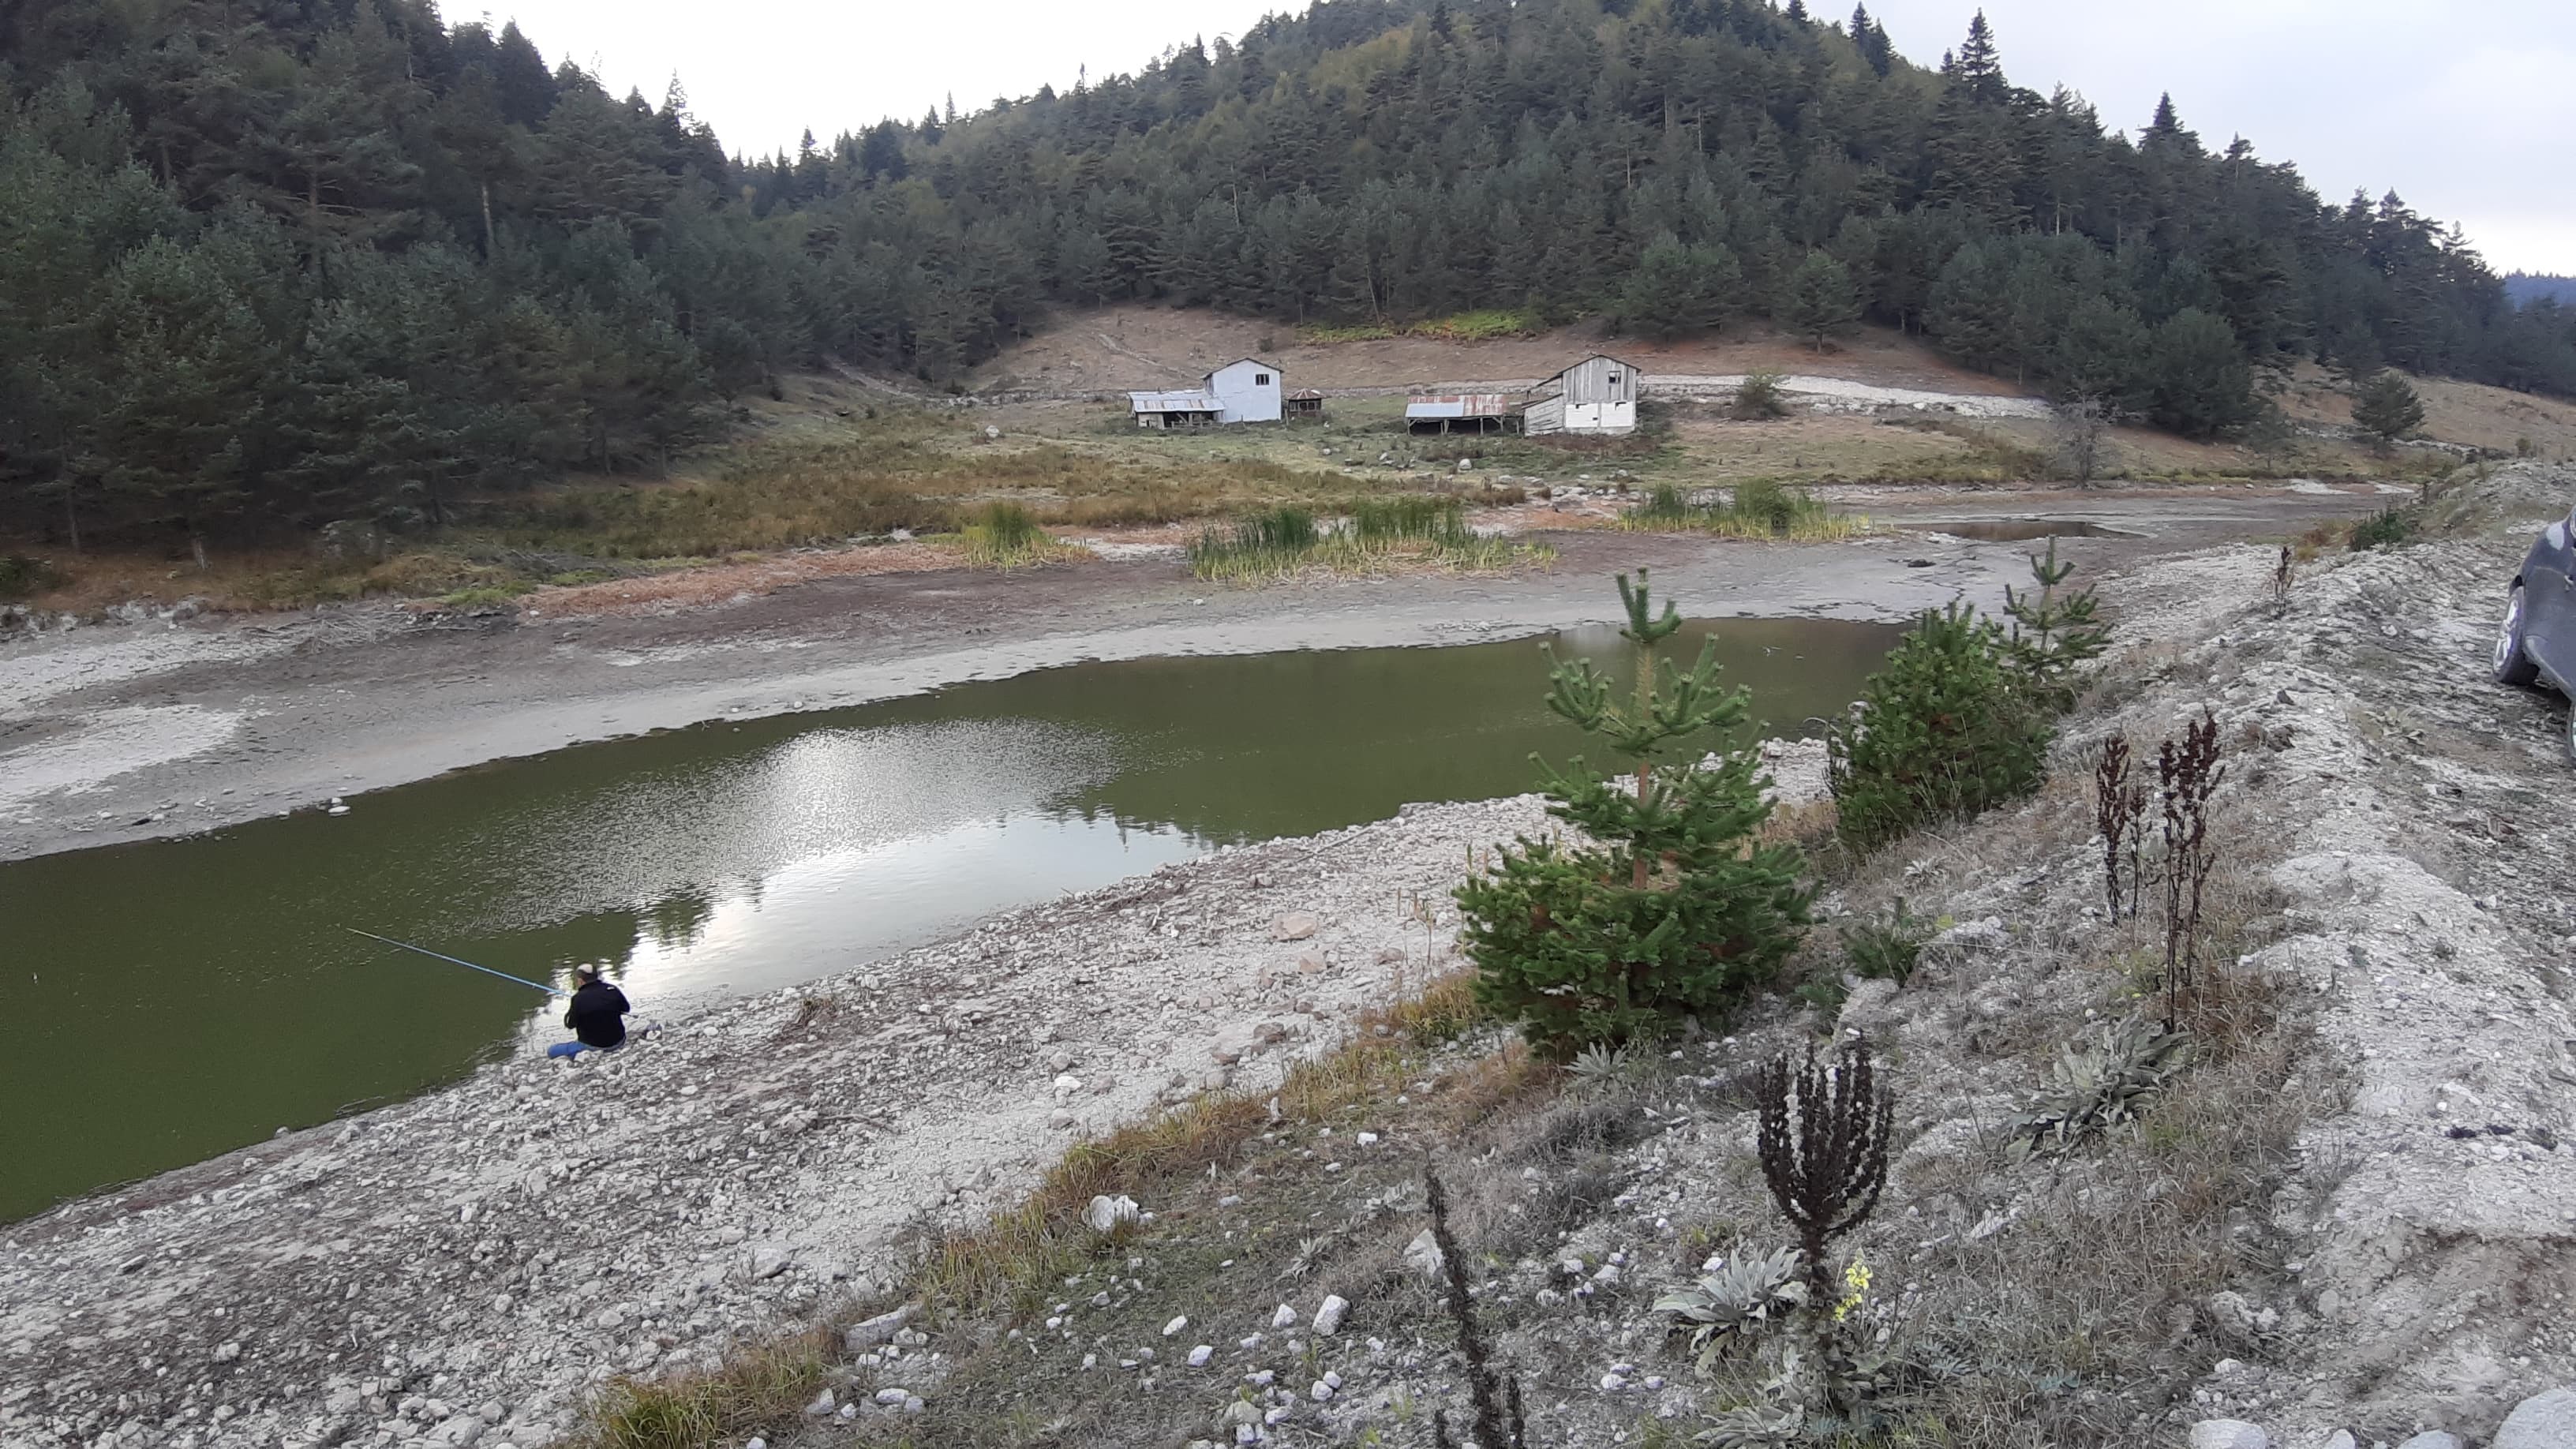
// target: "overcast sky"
[[2466, 108]]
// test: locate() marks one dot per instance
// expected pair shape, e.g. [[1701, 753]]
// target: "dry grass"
[[760, 1389], [1005, 1266]]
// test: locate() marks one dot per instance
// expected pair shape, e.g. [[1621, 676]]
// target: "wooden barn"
[[1595, 396]]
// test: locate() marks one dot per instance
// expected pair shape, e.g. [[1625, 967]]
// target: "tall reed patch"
[[1377, 532], [1007, 535], [1760, 508]]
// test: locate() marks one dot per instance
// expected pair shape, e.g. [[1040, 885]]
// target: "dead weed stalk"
[[2187, 774]]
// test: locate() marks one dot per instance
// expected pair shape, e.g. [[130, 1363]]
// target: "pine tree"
[[1819, 300], [2386, 407], [1662, 904], [2201, 383], [1940, 733]]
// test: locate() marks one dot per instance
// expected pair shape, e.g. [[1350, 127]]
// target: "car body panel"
[[2549, 604]]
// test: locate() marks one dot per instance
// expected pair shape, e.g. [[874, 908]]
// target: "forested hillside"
[[2524, 289], [271, 262]]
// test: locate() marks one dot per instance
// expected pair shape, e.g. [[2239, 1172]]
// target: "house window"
[[1614, 379], [1261, 379]]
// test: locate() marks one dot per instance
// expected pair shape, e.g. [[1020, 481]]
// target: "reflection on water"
[[166, 1001]]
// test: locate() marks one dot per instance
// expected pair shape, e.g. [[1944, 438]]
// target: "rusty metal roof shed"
[[1458, 405], [1175, 400]]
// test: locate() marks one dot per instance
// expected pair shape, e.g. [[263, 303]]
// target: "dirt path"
[[123, 732]]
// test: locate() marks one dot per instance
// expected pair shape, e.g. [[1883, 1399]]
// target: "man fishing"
[[597, 1015]]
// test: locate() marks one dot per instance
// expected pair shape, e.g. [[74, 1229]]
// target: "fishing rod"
[[470, 966]]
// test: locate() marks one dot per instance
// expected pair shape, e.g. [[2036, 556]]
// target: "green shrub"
[[1659, 903], [21, 575], [1758, 396], [1940, 733], [1887, 950], [2387, 528], [1961, 718]]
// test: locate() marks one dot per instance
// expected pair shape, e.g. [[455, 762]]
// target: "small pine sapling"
[[2187, 774], [2053, 635], [1943, 731], [1665, 905], [2281, 577], [1823, 1140]]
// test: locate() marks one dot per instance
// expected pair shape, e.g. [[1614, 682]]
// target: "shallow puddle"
[[2015, 530], [167, 1001]]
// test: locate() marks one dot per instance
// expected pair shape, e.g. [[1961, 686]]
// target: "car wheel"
[[2512, 662]]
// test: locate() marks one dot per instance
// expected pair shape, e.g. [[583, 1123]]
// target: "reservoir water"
[[164, 1002]]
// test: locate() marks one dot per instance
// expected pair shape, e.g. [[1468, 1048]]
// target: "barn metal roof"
[[1458, 405], [1177, 400]]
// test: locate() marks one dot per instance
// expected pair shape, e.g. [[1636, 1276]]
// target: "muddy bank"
[[125, 732], [464, 1267]]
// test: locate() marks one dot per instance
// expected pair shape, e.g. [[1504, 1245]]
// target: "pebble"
[[1200, 1355], [1283, 1316], [2228, 1434], [2433, 1439], [1175, 1326]]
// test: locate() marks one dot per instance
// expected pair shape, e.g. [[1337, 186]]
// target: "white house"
[[1247, 390], [1597, 395]]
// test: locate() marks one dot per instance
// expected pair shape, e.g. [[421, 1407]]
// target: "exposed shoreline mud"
[[468, 1265], [114, 733]]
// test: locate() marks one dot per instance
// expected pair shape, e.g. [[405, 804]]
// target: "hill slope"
[[270, 265]]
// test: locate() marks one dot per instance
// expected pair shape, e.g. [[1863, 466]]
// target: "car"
[[2536, 643]]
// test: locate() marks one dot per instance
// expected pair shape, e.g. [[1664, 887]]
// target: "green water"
[[164, 1002]]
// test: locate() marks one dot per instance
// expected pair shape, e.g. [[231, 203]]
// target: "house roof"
[[1604, 357], [1305, 394], [1458, 405], [1255, 361], [1174, 400]]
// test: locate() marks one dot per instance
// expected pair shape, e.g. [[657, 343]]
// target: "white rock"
[[1294, 926], [892, 1397], [1108, 1214], [1320, 1392], [766, 1262], [1328, 1318], [2543, 1421], [1200, 1355], [2342, 1440], [2433, 1439], [824, 1403], [868, 1333], [2228, 1434], [1422, 1255], [1282, 1316], [1175, 1326], [1368, 1139]]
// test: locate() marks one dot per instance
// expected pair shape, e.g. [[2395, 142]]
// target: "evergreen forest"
[[270, 263]]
